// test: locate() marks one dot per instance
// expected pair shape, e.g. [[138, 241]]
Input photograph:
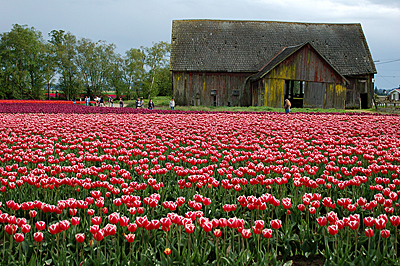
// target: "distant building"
[[394, 95], [261, 63]]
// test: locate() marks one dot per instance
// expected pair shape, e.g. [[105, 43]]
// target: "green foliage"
[[30, 67], [23, 63]]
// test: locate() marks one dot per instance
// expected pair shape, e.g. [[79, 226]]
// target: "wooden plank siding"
[[195, 88], [324, 87]]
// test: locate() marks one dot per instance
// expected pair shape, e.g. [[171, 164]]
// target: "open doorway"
[[364, 100], [294, 91]]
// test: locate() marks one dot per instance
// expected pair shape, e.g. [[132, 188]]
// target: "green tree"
[[134, 72], [23, 63], [115, 78], [63, 45], [94, 62], [156, 58], [163, 81]]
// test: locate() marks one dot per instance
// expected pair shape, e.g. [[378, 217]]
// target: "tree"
[[63, 45], [163, 81], [115, 77], [134, 72], [94, 62], [156, 58], [22, 63]]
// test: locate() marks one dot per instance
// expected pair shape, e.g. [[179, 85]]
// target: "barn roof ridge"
[[267, 21]]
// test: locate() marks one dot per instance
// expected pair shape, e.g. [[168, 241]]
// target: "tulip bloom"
[[99, 235], [25, 228], [19, 237], [369, 232], [10, 229], [322, 221], [167, 251], [130, 237], [267, 233], [75, 221], [246, 233], [54, 229], [333, 229], [40, 225], [96, 220], [276, 224], [80, 238], [217, 233], [38, 236], [385, 233], [189, 228]]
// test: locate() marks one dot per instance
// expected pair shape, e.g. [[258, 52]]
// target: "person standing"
[[141, 103], [151, 104], [137, 103], [121, 102], [101, 101], [172, 104], [287, 106]]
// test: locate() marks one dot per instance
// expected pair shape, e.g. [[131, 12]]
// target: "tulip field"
[[119, 186]]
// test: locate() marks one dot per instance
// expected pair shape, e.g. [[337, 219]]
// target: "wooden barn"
[[261, 63]]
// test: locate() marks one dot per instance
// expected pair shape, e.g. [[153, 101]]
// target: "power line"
[[391, 61]]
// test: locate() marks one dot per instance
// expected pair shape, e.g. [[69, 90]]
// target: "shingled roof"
[[246, 46]]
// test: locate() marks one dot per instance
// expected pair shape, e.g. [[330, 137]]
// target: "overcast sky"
[[133, 23]]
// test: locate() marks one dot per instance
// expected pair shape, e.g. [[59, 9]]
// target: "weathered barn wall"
[[324, 86], [357, 88], [324, 95], [207, 89]]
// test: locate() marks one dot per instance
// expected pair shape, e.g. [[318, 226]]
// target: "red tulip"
[[19, 237], [38, 236], [64, 225], [10, 229], [217, 233], [246, 233], [130, 238], [267, 233], [80, 238], [385, 233], [94, 229], [75, 221], [369, 232], [380, 223], [96, 220], [132, 227], [123, 221], [189, 228], [99, 235], [54, 229], [333, 229], [26, 228], [276, 224], [322, 221], [32, 213], [354, 225], [395, 220], [301, 207], [40, 225]]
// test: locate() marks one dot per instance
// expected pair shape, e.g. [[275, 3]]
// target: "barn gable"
[[302, 75]]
